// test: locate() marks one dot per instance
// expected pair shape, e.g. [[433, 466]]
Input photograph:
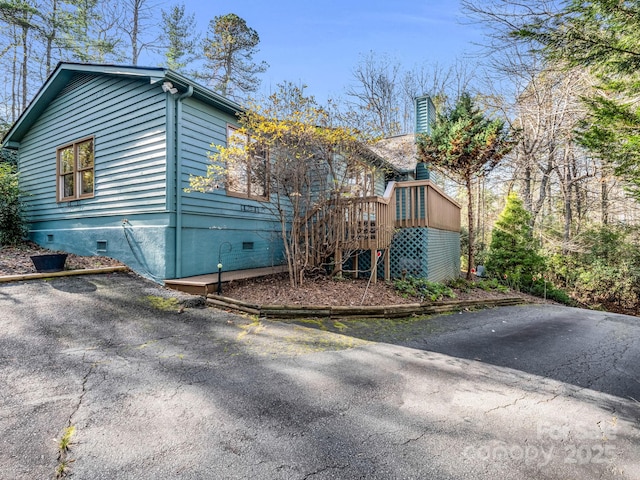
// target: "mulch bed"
[[274, 289], [15, 260]]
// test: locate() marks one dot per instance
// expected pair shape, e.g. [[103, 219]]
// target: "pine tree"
[[466, 144], [229, 49], [513, 253], [178, 28], [12, 221]]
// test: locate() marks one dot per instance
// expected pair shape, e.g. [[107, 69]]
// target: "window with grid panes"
[[75, 170]]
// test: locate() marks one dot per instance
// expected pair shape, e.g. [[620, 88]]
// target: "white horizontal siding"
[[127, 120]]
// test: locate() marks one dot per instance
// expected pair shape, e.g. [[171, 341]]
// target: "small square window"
[[247, 245], [101, 246]]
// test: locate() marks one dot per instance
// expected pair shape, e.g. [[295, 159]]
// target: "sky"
[[318, 43]]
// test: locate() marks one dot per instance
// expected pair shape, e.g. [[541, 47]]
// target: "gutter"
[[178, 157]]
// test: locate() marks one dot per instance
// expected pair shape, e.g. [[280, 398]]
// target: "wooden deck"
[[206, 284]]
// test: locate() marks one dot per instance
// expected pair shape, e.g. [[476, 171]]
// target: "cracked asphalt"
[[155, 390]]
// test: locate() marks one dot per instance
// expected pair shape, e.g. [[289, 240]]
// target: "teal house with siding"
[[105, 153]]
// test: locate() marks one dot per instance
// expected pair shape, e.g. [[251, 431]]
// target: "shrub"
[[461, 284], [8, 156], [486, 285], [422, 288], [550, 292], [12, 222], [604, 269], [492, 284], [513, 255]]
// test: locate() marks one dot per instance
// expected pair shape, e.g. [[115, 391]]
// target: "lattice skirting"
[[418, 252]]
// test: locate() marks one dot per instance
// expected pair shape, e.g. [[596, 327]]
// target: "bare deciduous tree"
[[315, 164], [376, 93], [136, 25]]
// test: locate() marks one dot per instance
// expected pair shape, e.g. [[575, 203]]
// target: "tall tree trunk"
[[526, 191], [568, 219], [470, 222], [227, 77], [51, 37], [566, 186], [479, 208], [134, 31], [14, 78], [25, 66], [604, 201]]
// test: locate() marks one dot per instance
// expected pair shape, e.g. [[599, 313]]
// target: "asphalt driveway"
[[154, 390]]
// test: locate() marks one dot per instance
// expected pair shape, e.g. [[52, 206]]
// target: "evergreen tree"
[[466, 144], [90, 35], [12, 224], [178, 28], [513, 253], [229, 48]]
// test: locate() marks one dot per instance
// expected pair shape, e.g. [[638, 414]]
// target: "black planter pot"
[[49, 263]]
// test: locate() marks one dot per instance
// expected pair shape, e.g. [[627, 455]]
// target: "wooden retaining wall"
[[64, 273], [344, 312]]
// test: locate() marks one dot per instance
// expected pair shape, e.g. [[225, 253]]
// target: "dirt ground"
[[327, 291], [15, 260], [275, 289]]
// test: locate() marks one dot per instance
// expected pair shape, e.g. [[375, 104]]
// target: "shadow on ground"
[[587, 349]]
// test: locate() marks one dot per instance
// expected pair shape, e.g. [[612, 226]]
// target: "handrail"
[[426, 183], [420, 203], [368, 223]]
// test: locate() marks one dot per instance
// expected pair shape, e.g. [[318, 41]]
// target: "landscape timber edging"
[[63, 273], [343, 312]]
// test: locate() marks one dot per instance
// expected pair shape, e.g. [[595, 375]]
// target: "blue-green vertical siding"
[[425, 112], [417, 252], [443, 255]]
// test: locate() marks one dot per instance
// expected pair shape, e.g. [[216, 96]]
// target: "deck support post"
[[374, 265], [387, 264], [356, 262]]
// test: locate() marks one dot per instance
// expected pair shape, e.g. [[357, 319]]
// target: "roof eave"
[[65, 70], [203, 93]]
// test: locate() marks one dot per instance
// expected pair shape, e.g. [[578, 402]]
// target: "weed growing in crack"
[[65, 440], [62, 470]]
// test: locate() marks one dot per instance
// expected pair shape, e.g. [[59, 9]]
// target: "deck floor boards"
[[207, 283]]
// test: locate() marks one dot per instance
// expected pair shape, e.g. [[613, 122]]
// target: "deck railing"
[[349, 224], [420, 203], [368, 223]]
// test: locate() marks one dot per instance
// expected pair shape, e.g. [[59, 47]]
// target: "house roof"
[[64, 71], [397, 153], [400, 151]]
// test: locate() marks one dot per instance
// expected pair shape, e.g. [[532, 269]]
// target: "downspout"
[[186, 94]]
